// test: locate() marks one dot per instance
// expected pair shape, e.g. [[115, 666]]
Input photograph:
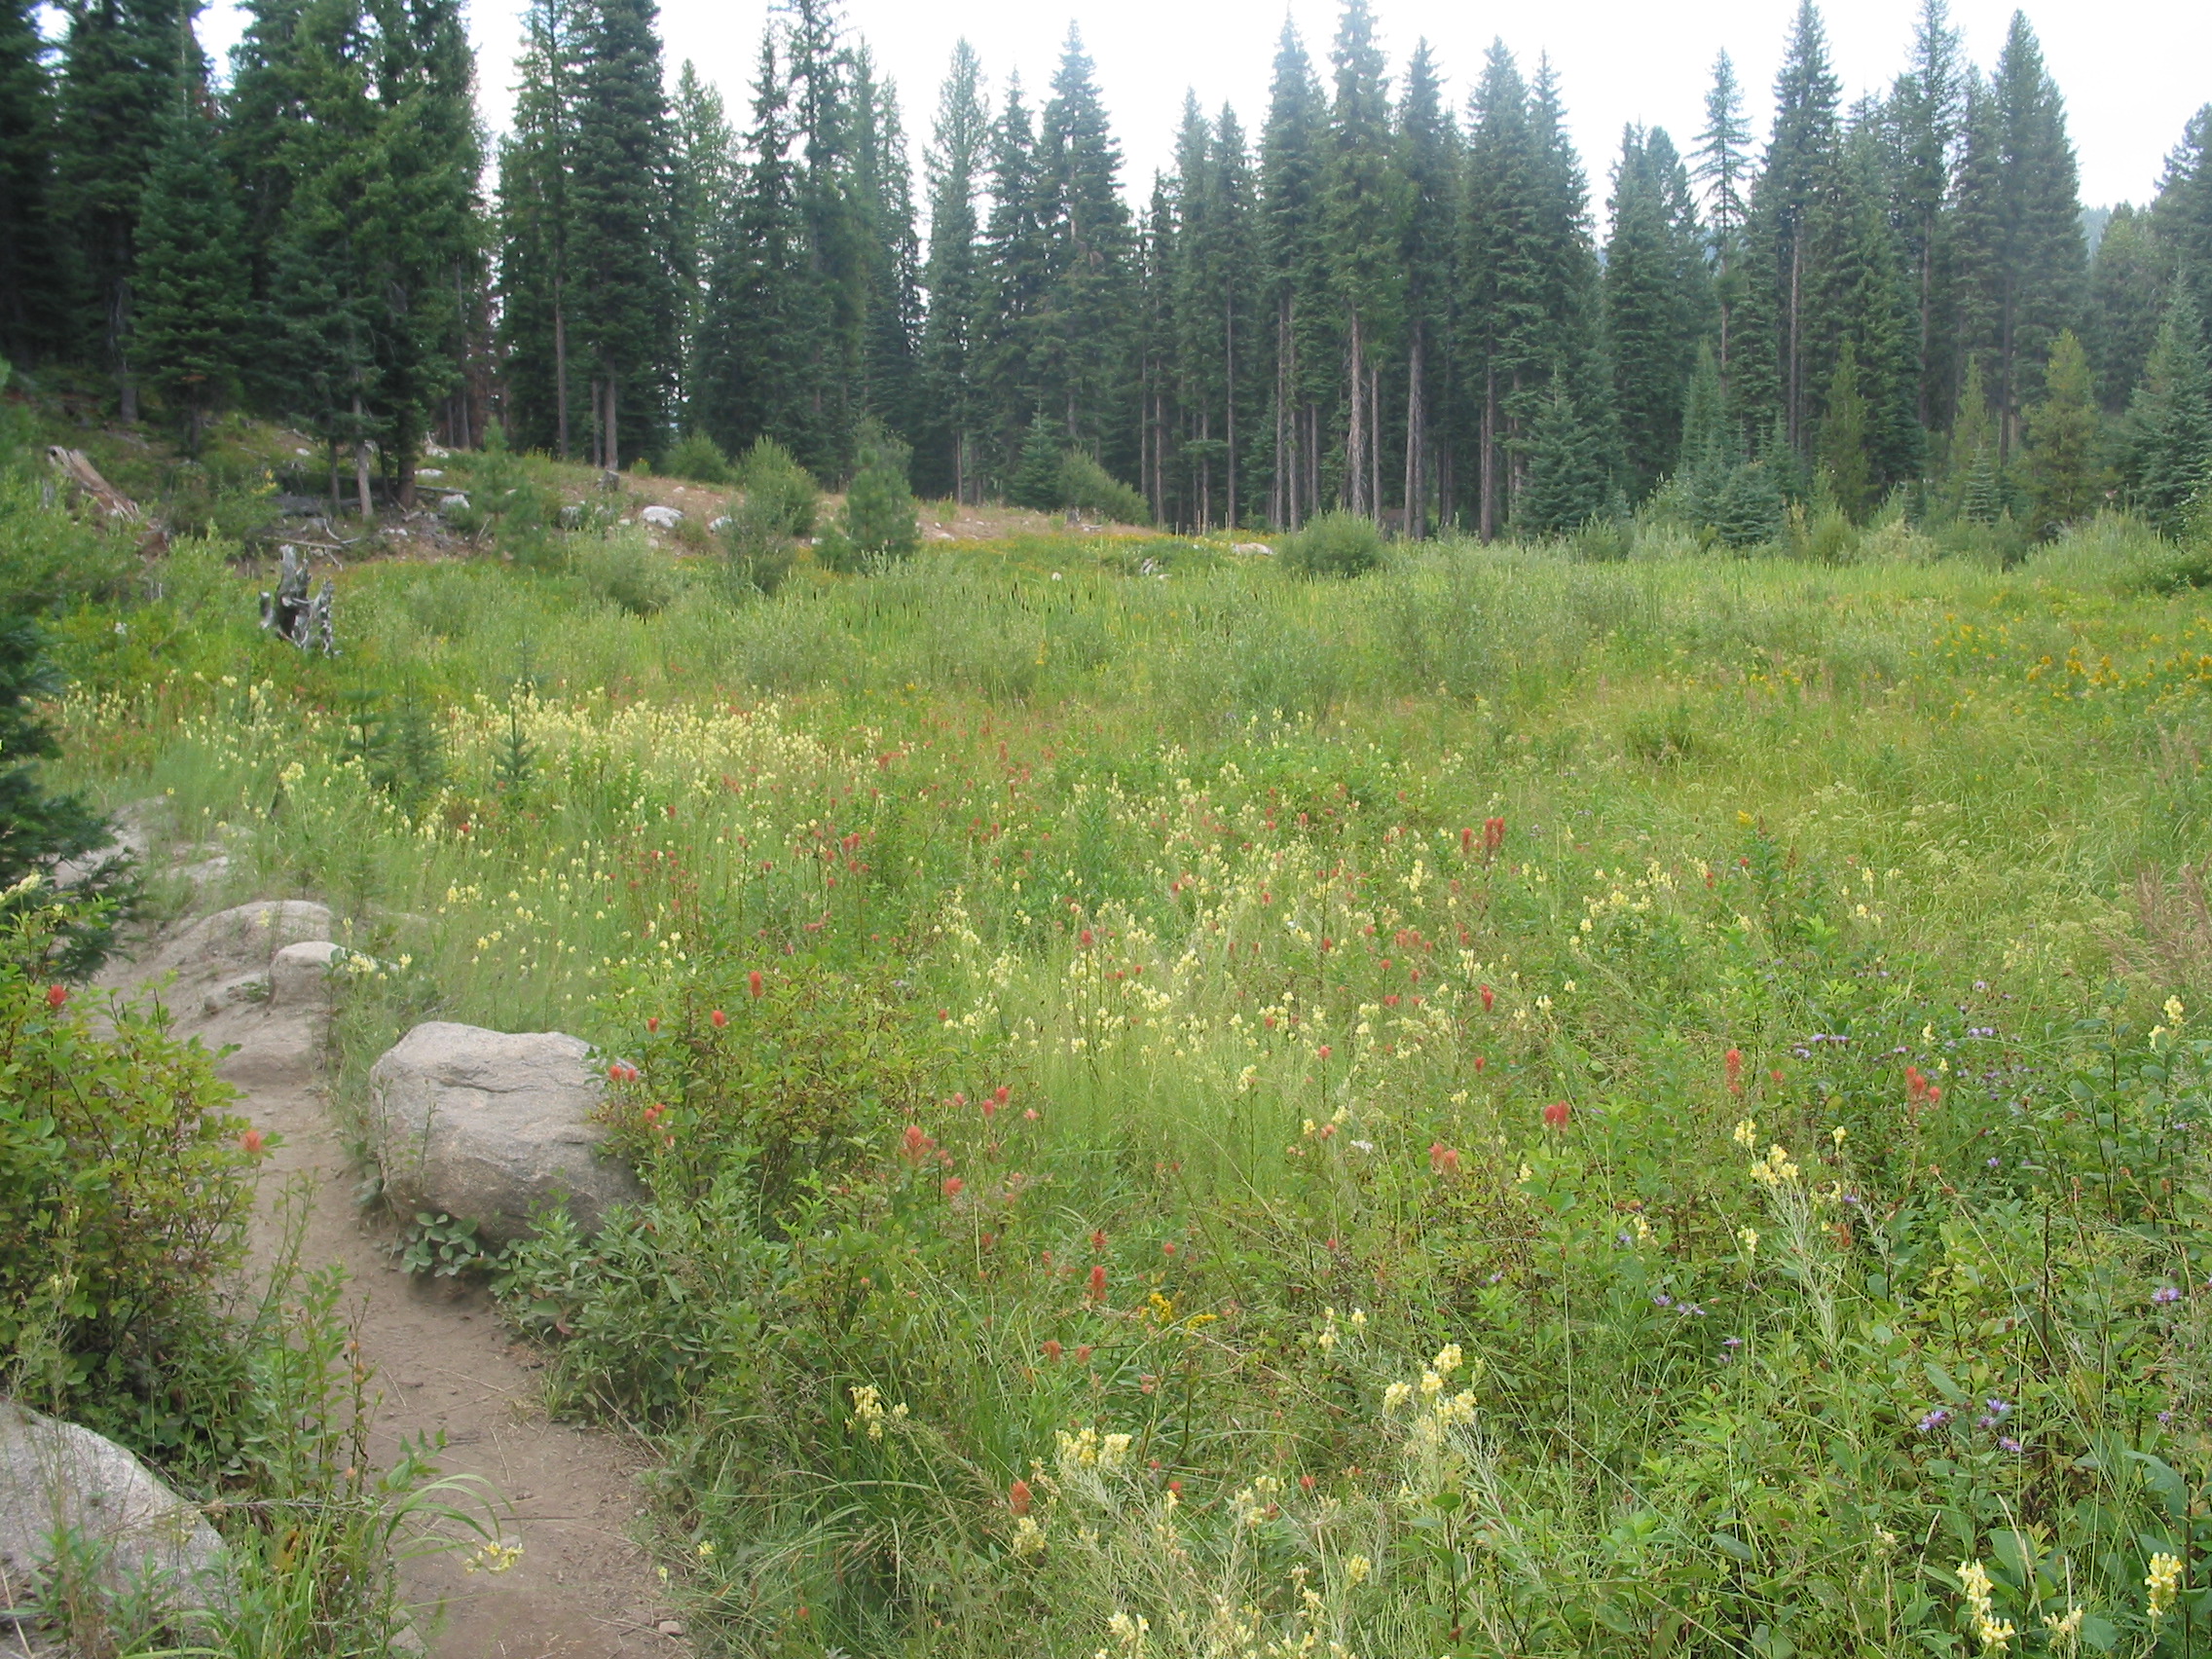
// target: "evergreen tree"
[[190, 278], [31, 319], [622, 180], [827, 321], [2022, 260], [1653, 289], [890, 254], [1364, 212], [1429, 164], [2064, 479], [1503, 318], [1724, 168], [2127, 292], [124, 64], [879, 521], [2169, 421], [536, 227], [751, 350], [1080, 345], [1568, 482], [1036, 482], [1779, 374], [1865, 303], [706, 185], [1844, 434], [1924, 116], [2182, 214], [1973, 483], [1292, 158], [957, 282], [1018, 262]]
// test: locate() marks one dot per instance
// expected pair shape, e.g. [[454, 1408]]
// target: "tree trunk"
[[119, 350], [561, 366], [1375, 440], [1795, 390], [1486, 482], [330, 453], [1205, 470], [1228, 413], [1355, 429], [1417, 494], [361, 461], [1278, 501], [614, 438]]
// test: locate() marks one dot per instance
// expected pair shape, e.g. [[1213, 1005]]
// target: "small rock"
[[1259, 547], [432, 473], [717, 526], [490, 1125], [669, 1626], [240, 988], [300, 974], [454, 503], [662, 518], [436, 451], [571, 517], [56, 1475]]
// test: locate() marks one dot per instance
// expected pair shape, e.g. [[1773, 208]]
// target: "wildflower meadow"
[[1505, 1106]]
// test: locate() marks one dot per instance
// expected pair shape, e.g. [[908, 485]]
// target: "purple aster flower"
[[2165, 1294], [1663, 1299], [2165, 1417], [1936, 1418], [2006, 1442], [1993, 1164]]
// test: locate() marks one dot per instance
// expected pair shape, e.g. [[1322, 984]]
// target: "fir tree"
[[1723, 167], [627, 300], [1504, 316], [1798, 176], [1653, 289], [1843, 445], [1924, 118], [31, 311], [2064, 479], [956, 281], [1018, 261], [1036, 482], [2127, 288], [879, 519], [1292, 157], [705, 184], [191, 277], [123, 64], [2169, 421], [883, 209], [2182, 214], [2022, 260], [1568, 482], [1365, 206], [1429, 164], [536, 227]]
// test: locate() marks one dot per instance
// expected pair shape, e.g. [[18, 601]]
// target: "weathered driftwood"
[[294, 614], [111, 503]]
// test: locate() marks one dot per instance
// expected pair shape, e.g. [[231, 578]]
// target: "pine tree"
[[751, 360], [956, 281], [1364, 210], [1080, 345], [2064, 479], [627, 300], [1724, 168], [1567, 481], [1429, 164], [536, 220], [1864, 301], [705, 184], [1973, 484], [2022, 261], [879, 519], [1292, 158], [123, 64], [2169, 421], [827, 321], [1018, 261], [1036, 482], [31, 320], [190, 278], [1924, 115], [1653, 289], [883, 209], [1503, 317], [1844, 433], [2127, 292], [2182, 214], [1782, 375]]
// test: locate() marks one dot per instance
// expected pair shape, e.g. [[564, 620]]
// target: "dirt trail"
[[582, 1588]]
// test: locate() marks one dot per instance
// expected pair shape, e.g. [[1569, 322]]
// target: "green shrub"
[[881, 523], [1089, 486], [756, 549], [623, 567], [1333, 544], [511, 503], [125, 1180], [698, 458], [769, 474]]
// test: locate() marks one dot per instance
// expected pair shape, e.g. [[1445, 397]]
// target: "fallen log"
[[111, 503]]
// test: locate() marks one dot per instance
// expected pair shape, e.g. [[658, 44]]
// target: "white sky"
[[2133, 71]]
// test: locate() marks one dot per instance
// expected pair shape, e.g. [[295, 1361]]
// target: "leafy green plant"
[[756, 547], [1332, 544], [440, 1246], [698, 458], [769, 475], [881, 523], [1089, 486]]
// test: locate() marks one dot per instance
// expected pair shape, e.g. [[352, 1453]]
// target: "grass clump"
[[1333, 544]]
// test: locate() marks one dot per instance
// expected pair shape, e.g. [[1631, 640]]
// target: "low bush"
[[623, 567], [1333, 544], [698, 458], [769, 474], [756, 547], [1089, 487]]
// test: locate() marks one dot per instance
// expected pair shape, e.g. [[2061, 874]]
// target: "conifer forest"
[[799, 878]]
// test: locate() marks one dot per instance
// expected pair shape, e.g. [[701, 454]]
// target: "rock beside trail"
[[299, 975], [487, 1125], [242, 940], [56, 1475], [662, 518]]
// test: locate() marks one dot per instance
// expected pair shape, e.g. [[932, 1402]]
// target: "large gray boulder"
[[487, 1125], [150, 1544]]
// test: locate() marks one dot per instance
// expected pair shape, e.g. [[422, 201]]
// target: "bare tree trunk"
[[1796, 390], [1488, 481], [1355, 429], [614, 439], [330, 453], [361, 463], [1205, 470], [119, 347], [1374, 439], [1228, 335], [1278, 502], [1416, 504], [561, 366]]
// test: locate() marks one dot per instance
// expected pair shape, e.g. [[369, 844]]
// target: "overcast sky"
[[2133, 71]]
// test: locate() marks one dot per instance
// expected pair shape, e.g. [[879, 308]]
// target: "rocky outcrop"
[[140, 1539], [490, 1125]]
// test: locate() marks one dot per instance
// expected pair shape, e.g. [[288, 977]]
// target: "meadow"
[[1517, 1104]]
